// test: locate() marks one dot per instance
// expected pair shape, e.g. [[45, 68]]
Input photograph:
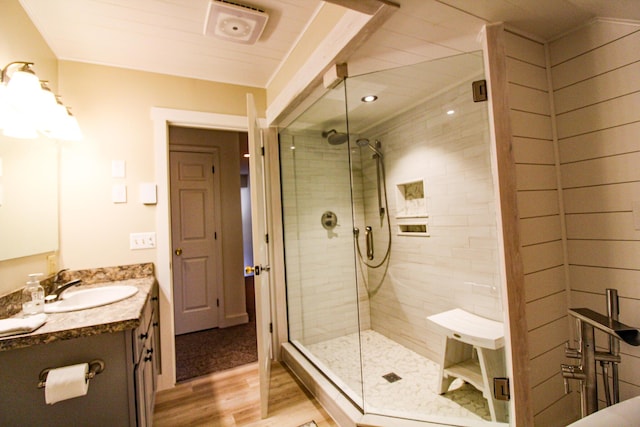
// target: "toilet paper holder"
[[95, 367]]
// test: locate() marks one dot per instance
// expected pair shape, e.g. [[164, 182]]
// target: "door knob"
[[178, 251], [257, 269]]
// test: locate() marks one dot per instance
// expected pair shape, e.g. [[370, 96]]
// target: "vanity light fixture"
[[29, 107], [368, 98]]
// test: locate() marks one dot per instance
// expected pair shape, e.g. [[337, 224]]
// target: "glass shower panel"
[[424, 205], [390, 220], [322, 299]]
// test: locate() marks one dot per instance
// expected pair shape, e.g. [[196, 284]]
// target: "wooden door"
[[259, 225], [196, 266]]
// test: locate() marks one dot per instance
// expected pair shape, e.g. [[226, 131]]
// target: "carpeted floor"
[[204, 352], [213, 350]]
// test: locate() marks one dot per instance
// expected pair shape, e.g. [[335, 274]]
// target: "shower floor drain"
[[392, 377]]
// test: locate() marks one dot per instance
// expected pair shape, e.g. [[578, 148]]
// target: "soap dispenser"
[[33, 296]]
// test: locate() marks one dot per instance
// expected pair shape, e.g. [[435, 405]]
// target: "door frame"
[[162, 118]]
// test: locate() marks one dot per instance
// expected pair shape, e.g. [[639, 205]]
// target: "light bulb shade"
[[73, 129], [28, 106], [19, 126], [65, 126], [24, 89], [46, 110], [4, 106]]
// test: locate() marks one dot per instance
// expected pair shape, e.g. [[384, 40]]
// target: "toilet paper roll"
[[66, 383]]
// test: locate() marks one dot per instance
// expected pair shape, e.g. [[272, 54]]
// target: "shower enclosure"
[[389, 217]]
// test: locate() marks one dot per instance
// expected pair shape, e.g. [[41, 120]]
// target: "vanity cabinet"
[[145, 351], [122, 395]]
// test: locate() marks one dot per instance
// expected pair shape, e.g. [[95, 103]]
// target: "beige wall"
[[113, 108]]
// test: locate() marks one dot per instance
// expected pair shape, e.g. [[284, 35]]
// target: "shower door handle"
[[368, 234]]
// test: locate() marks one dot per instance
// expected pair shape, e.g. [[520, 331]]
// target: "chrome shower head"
[[334, 137], [364, 142]]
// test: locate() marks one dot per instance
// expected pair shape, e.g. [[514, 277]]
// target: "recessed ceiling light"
[[368, 98], [451, 112]]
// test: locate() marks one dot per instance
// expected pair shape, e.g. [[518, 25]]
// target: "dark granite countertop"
[[115, 317]]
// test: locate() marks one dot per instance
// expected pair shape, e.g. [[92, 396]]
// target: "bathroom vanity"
[[124, 335]]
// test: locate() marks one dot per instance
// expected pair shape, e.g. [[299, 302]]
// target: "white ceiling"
[[166, 36]]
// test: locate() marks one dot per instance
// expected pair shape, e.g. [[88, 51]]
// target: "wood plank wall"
[[541, 236], [596, 89]]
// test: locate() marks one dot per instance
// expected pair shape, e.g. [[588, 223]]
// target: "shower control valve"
[[329, 220]]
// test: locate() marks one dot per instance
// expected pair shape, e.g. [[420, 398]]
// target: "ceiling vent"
[[234, 22]]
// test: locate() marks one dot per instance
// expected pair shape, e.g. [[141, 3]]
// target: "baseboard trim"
[[237, 319]]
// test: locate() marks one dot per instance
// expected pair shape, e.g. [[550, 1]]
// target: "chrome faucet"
[[587, 321], [55, 295], [57, 277], [573, 372]]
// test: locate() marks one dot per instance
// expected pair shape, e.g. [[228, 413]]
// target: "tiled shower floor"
[[414, 396]]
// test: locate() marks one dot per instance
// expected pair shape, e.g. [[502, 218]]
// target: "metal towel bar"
[[95, 367]]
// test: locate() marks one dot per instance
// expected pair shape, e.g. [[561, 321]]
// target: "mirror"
[[28, 196]]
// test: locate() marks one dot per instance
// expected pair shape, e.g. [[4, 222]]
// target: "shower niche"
[[412, 218]]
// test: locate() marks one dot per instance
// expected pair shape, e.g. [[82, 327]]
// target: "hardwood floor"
[[231, 398]]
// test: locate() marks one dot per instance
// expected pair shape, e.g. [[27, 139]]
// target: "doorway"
[[207, 175]]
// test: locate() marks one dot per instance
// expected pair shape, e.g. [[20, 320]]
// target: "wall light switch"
[[118, 169], [142, 240], [148, 194], [119, 193]]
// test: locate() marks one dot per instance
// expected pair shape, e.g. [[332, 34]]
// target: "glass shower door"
[[322, 297]]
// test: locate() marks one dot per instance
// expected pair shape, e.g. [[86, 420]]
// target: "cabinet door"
[[145, 387], [155, 324], [141, 406], [150, 374]]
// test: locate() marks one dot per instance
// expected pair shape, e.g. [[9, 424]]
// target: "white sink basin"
[[81, 299]]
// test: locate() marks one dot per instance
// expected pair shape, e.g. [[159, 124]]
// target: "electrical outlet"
[[142, 240]]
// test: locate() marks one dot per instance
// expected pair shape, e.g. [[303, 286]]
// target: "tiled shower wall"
[[428, 275], [456, 266], [320, 265]]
